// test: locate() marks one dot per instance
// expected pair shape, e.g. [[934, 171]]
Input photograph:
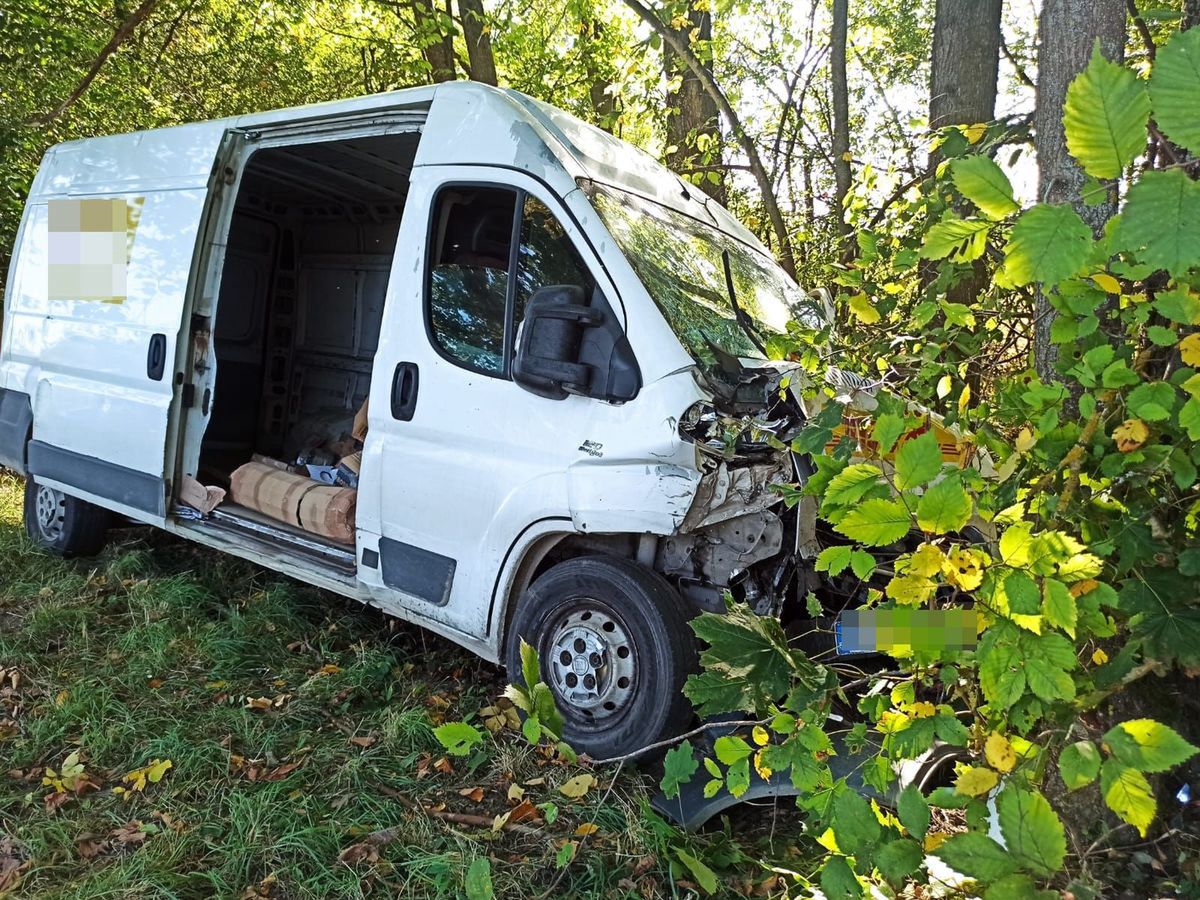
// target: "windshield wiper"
[[739, 314]]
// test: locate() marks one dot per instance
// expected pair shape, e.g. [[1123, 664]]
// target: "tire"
[[636, 624], [62, 524]]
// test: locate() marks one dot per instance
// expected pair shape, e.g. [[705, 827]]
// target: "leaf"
[[981, 181], [899, 859], [913, 811], [457, 737], [1189, 349], [961, 240], [1022, 593], [854, 823], [530, 669], [1130, 435], [976, 856], [999, 752], [576, 787], [1173, 88], [944, 508], [834, 560], [1127, 793], [838, 881], [1153, 401], [887, 431], [863, 564], [679, 765], [1158, 222], [1148, 746], [731, 749], [1032, 830], [705, 877], [1105, 116], [851, 485], [865, 311], [976, 781], [479, 879], [1059, 606], [876, 522], [918, 461], [1079, 764], [1048, 244]]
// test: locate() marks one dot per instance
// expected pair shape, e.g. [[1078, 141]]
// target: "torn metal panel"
[[730, 492]]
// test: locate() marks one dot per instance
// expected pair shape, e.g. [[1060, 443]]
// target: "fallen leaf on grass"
[[89, 846], [444, 766], [266, 703], [14, 860], [329, 669], [576, 787], [586, 828], [515, 792], [524, 812], [130, 833], [138, 778], [474, 794], [360, 852], [281, 772], [363, 741]]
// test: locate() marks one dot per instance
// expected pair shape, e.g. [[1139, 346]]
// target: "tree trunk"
[[1191, 14], [119, 37], [436, 46], [1067, 32], [841, 118], [692, 115], [604, 102], [479, 43], [966, 62], [786, 258]]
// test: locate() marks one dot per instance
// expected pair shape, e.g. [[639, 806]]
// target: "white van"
[[545, 328]]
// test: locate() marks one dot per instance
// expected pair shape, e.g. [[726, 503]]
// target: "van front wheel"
[[614, 647], [62, 524]]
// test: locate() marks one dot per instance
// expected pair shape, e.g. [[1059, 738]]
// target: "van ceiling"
[[371, 170]]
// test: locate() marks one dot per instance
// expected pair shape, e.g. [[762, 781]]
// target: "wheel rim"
[[591, 663], [51, 513]]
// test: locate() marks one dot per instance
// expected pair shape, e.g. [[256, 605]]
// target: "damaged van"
[[448, 351]]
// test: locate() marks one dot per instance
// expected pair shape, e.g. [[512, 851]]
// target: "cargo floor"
[[233, 517]]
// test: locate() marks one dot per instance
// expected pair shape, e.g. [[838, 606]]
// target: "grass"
[[159, 650]]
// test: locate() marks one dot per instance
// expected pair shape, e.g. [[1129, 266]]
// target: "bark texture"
[[691, 112], [1067, 31], [436, 46], [479, 43], [965, 63], [841, 115], [1191, 13]]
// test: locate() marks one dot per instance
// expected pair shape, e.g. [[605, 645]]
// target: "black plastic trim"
[[16, 425], [129, 487], [413, 570]]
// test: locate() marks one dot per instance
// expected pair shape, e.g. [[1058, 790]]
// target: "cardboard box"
[[347, 470], [359, 431], [320, 509]]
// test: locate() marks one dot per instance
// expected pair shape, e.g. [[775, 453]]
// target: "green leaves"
[[1152, 402], [918, 461], [981, 181], [876, 522], [457, 737], [1159, 221], [1148, 746], [1048, 244], [1127, 793], [478, 883], [913, 812], [1105, 119], [961, 240], [1173, 88], [854, 823], [945, 507], [976, 856], [1033, 832], [679, 765], [1079, 764]]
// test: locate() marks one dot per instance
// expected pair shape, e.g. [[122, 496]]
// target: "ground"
[[299, 731]]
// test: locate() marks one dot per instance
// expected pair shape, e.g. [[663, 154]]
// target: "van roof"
[[466, 123]]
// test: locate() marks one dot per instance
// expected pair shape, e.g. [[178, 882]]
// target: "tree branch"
[[681, 48], [119, 37]]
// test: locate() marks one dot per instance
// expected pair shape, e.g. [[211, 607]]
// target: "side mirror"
[[568, 346]]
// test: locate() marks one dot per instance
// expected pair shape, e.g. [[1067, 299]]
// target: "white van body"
[[461, 506]]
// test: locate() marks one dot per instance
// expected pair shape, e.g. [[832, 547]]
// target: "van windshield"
[[680, 261]]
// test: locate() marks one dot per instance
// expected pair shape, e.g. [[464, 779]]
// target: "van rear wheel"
[[62, 524], [614, 647]]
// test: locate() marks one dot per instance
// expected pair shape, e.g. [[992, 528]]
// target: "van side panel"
[[86, 361]]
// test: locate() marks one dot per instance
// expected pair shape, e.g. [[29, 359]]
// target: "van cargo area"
[[298, 314]]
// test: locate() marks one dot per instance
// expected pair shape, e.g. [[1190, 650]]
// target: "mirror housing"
[[567, 345]]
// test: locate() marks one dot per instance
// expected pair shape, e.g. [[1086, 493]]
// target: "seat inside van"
[[301, 299]]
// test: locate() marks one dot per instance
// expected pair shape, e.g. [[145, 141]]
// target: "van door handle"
[[404, 391], [156, 357]]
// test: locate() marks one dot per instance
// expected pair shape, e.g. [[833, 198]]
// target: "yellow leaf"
[[943, 386], [964, 567], [157, 769], [1099, 657], [1025, 440], [848, 156], [964, 399], [829, 841], [910, 590], [1132, 433], [762, 769], [760, 736], [1107, 283], [976, 781], [1029, 623], [586, 828], [999, 752], [925, 561], [1189, 349], [935, 839], [974, 133], [861, 306], [922, 709], [576, 787], [515, 792]]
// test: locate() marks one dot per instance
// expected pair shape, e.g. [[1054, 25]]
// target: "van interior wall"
[[301, 298]]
